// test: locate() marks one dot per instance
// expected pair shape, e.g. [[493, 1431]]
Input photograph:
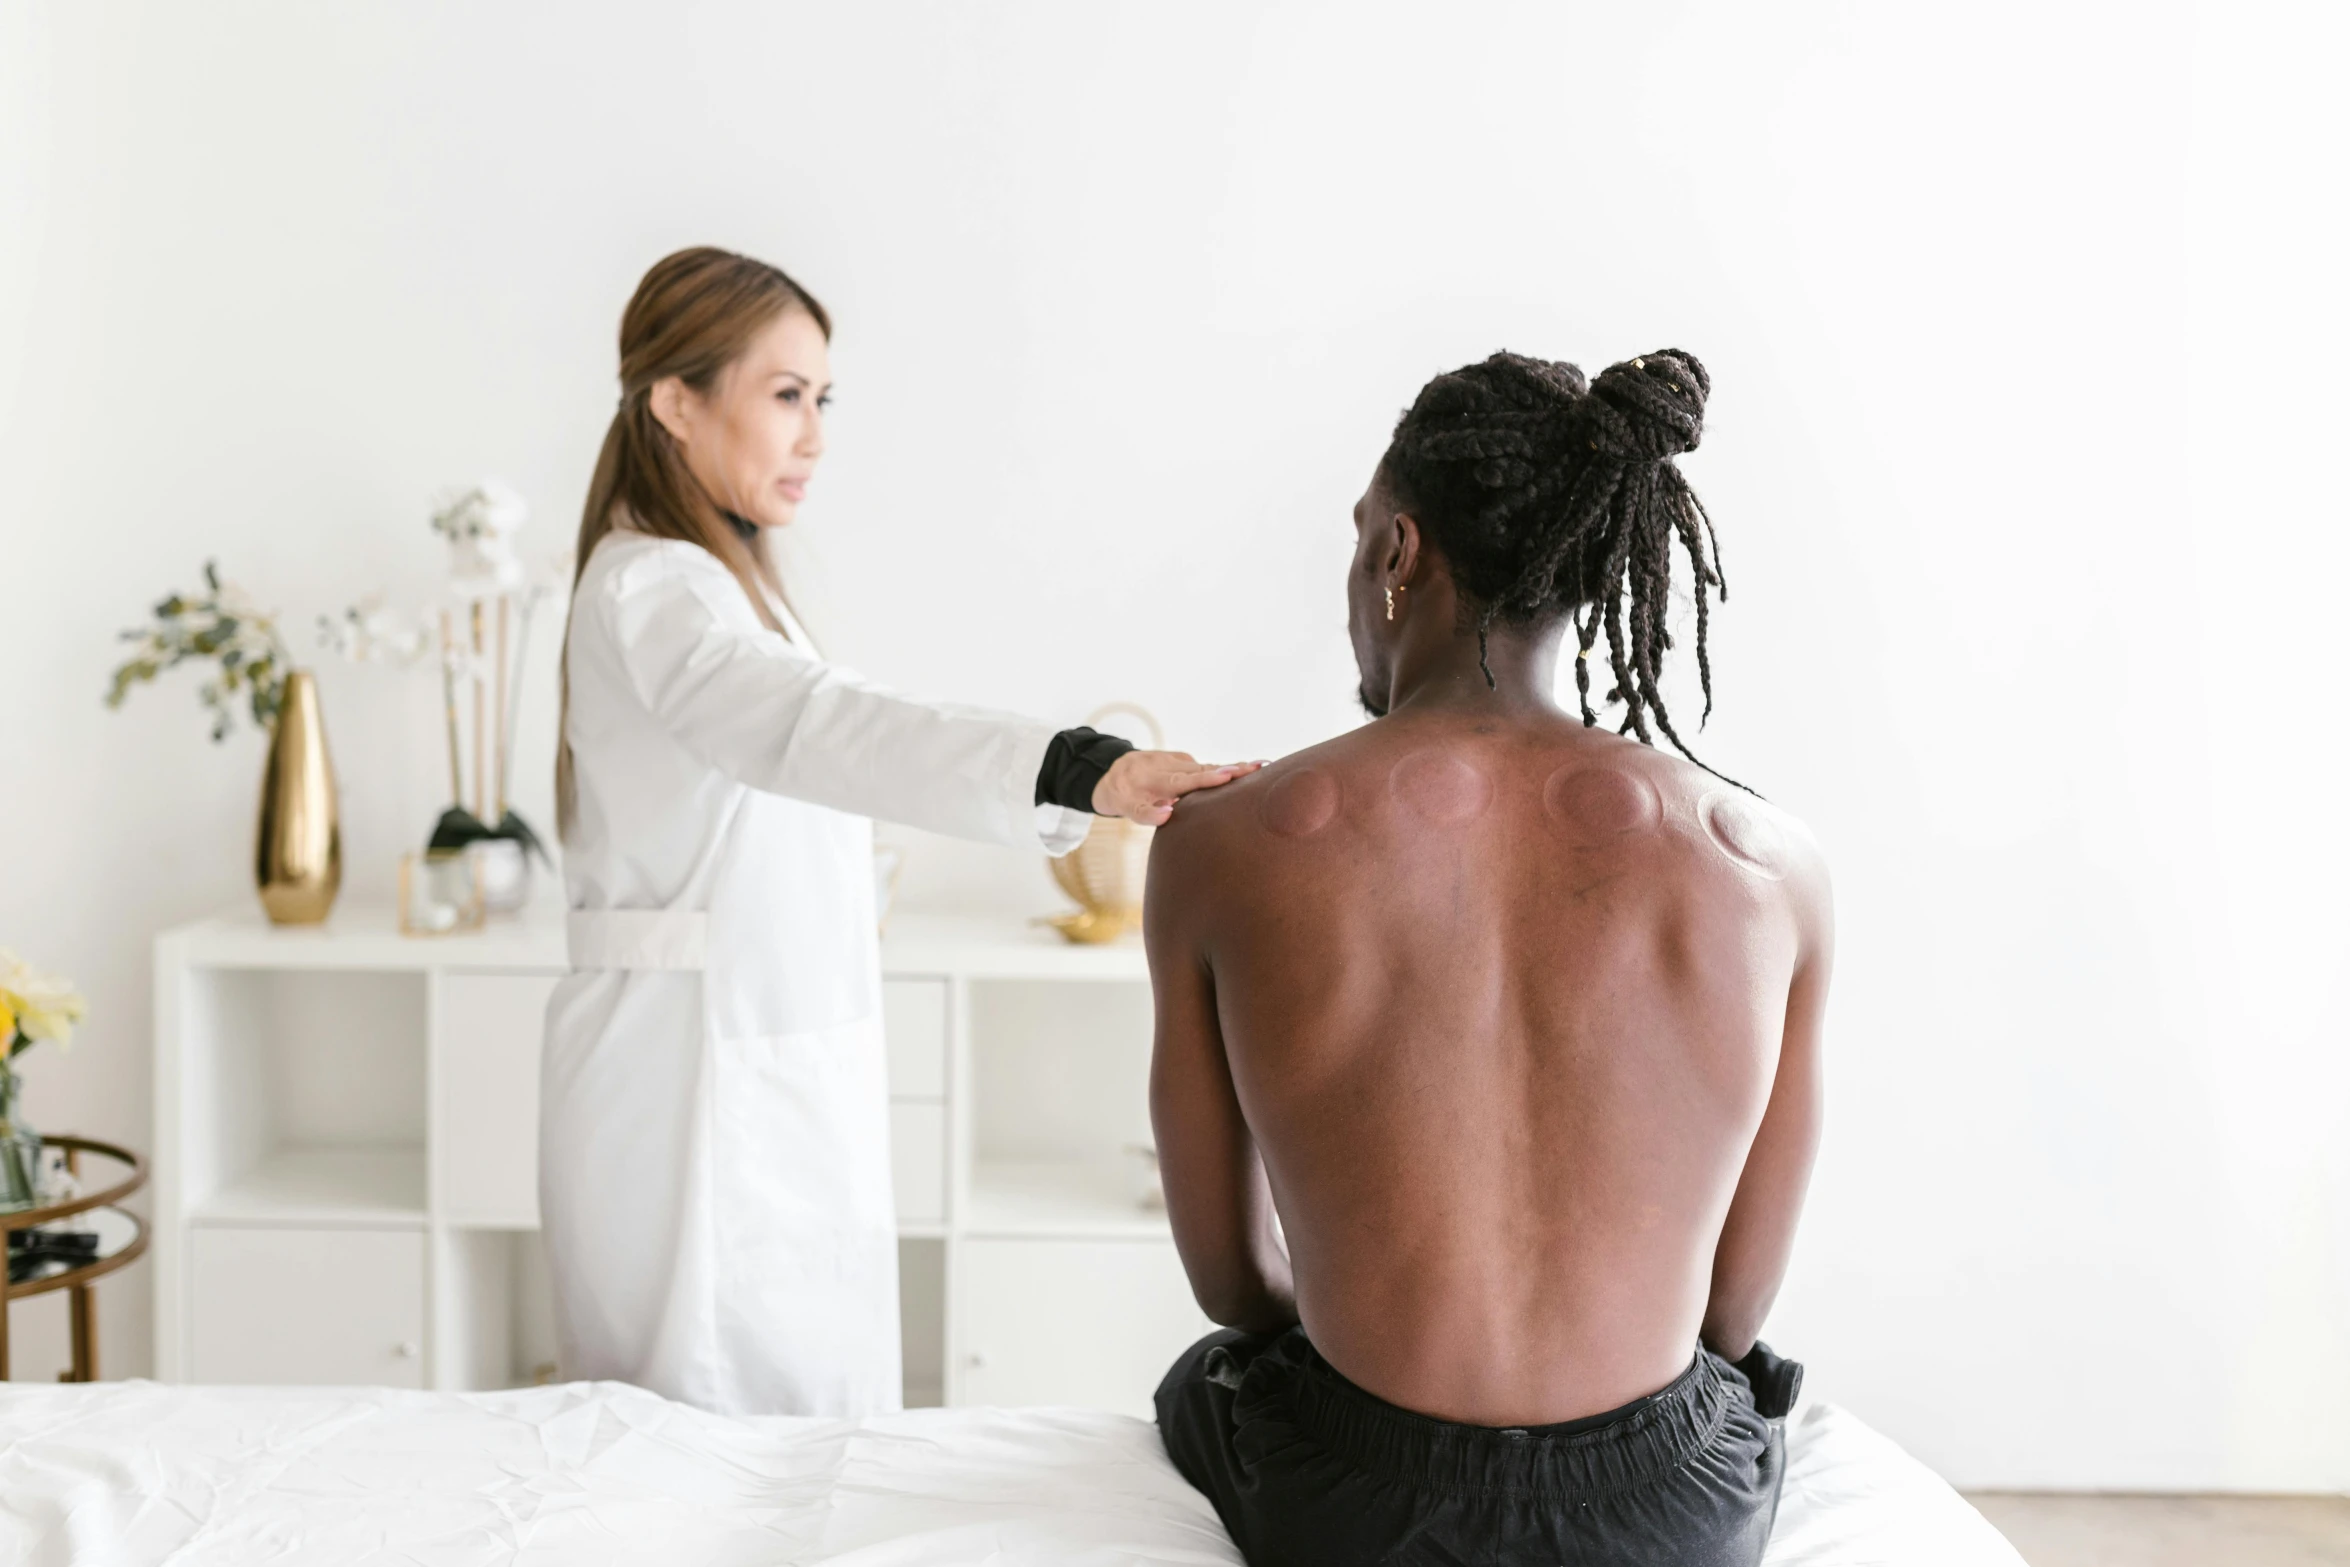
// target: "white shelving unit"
[[345, 1168]]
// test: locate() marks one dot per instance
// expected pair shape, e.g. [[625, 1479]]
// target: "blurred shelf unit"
[[346, 1166]]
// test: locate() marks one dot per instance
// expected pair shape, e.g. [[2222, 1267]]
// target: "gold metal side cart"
[[122, 1240]]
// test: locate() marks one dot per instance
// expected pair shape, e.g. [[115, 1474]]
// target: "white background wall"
[[2025, 333]]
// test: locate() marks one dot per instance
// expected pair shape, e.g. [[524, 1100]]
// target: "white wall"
[[2023, 386]]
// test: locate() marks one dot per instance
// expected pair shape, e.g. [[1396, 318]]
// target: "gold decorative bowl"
[[1104, 874]]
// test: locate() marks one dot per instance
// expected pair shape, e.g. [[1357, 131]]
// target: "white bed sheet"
[[128, 1474]]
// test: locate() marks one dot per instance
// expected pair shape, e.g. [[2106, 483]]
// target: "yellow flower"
[[7, 1021], [43, 1005]]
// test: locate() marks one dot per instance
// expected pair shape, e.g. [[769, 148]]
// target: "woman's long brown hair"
[[694, 314]]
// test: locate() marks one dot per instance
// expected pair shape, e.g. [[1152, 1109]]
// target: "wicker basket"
[[1104, 874]]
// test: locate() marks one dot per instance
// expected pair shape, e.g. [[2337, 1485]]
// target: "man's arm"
[[1217, 1197], [1750, 1260]]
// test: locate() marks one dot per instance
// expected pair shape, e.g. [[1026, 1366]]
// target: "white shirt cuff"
[[1061, 828]]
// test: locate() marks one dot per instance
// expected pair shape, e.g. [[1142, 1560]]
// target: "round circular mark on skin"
[[1439, 788], [1745, 834], [1593, 806], [1299, 804]]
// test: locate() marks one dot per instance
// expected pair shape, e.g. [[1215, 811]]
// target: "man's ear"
[[1403, 549], [667, 401]]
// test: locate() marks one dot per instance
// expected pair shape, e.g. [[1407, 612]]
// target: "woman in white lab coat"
[[714, 1175]]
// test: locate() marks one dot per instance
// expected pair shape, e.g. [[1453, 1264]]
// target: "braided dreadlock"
[[1548, 495]]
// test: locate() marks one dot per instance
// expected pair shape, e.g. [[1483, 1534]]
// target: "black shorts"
[[1305, 1467]]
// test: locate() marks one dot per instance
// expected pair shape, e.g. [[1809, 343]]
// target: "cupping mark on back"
[[1439, 788], [1299, 804], [1745, 834], [1595, 806]]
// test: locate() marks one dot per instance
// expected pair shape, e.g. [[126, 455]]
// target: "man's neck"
[[1443, 672]]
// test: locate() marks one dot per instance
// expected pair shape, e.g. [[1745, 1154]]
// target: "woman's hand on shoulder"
[[1143, 786]]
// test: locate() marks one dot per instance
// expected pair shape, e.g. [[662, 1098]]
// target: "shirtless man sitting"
[[1487, 1074]]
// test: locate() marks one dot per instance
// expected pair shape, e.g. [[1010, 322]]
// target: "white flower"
[[370, 633], [489, 509], [43, 1005], [480, 524]]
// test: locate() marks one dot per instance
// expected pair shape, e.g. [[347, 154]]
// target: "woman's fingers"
[[1196, 776], [1143, 786]]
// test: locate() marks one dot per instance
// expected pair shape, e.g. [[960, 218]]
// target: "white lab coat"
[[714, 1174]]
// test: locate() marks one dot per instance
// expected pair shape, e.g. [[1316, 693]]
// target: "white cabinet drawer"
[[332, 1307], [486, 1096], [914, 1021], [1019, 1297], [918, 1161]]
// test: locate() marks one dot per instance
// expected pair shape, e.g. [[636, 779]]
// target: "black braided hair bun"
[[1490, 457], [1649, 409], [1547, 495]]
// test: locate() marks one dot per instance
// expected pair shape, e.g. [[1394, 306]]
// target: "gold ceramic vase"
[[299, 854]]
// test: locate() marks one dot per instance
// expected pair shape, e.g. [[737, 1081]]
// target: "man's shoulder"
[[1742, 824], [1287, 798], [1723, 829]]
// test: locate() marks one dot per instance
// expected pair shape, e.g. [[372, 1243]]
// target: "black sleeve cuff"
[[1073, 764]]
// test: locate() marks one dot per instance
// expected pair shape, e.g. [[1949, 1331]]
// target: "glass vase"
[[20, 1148]]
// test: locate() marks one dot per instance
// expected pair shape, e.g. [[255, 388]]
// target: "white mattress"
[[118, 1474]]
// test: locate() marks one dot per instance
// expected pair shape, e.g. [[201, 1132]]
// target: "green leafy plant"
[[219, 624]]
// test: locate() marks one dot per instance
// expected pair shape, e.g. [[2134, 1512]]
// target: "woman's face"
[[754, 440]]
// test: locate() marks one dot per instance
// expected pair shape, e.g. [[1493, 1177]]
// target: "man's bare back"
[[1514, 1022], [1501, 1003]]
